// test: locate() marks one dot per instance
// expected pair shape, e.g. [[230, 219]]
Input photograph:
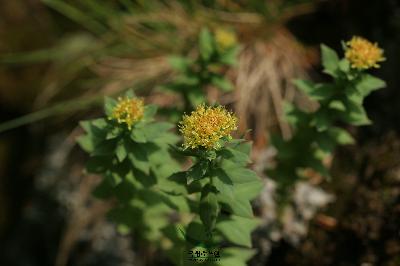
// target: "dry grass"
[[264, 82]]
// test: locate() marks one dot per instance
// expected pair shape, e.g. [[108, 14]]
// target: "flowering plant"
[[130, 151], [218, 185], [340, 102]]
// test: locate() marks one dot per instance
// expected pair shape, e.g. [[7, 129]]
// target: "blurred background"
[[58, 58]]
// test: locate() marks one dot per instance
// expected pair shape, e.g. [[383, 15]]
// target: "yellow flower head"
[[363, 54], [225, 39], [205, 126], [128, 111]]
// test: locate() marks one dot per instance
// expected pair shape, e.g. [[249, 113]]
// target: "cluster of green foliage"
[[210, 201], [207, 69], [219, 187], [316, 133], [131, 161], [206, 206]]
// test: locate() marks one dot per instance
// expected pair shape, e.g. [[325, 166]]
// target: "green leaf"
[[237, 182], [206, 44], [330, 60], [325, 141], [99, 164], [229, 56], [100, 123], [155, 130], [237, 206], [127, 215], [106, 147], [317, 165], [344, 65], [209, 207], [321, 121], [125, 191], [174, 184], [186, 80], [114, 132], [121, 151], [238, 229], [234, 256], [197, 171], [109, 104], [167, 138], [341, 136], [149, 111], [139, 135], [222, 83], [337, 105], [355, 113], [97, 127], [316, 92], [242, 145], [196, 233], [104, 190], [86, 142], [138, 156], [249, 190], [369, 83], [236, 156], [179, 63], [295, 116], [237, 174], [130, 93], [196, 97], [223, 184]]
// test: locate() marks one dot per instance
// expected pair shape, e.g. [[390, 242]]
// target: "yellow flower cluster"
[[205, 126], [128, 111], [225, 39], [363, 54]]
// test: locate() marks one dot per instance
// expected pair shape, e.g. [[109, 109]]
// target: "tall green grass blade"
[[76, 15]]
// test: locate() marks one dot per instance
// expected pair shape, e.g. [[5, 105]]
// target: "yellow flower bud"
[[225, 39]]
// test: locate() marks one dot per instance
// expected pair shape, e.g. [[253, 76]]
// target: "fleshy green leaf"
[[139, 135], [316, 92], [234, 256], [197, 171], [229, 56], [237, 174], [209, 207], [355, 113], [179, 63], [155, 130], [341, 136], [149, 111], [330, 60], [86, 142], [222, 83], [109, 104], [238, 229], [337, 105], [321, 121], [106, 147], [237, 206], [206, 44], [369, 83], [138, 156], [235, 156], [121, 151]]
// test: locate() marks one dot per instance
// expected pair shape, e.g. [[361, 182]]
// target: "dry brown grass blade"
[[264, 82]]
